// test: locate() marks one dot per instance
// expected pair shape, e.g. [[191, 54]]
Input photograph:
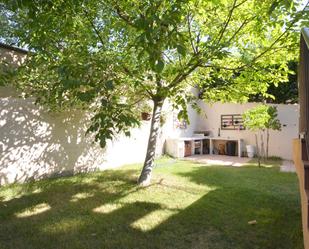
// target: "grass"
[[272, 161], [187, 206]]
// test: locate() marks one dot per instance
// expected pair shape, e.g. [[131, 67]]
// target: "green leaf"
[[180, 115], [273, 7], [102, 142], [141, 23], [159, 66], [181, 50], [109, 85]]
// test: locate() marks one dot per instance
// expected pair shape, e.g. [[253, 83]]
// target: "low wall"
[[280, 143]]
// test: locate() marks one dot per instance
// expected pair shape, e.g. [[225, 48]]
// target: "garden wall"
[[280, 141], [36, 144]]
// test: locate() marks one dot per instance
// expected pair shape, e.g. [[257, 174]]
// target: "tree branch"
[[245, 22], [190, 35], [268, 49], [221, 68], [167, 57], [240, 68], [227, 21], [198, 39], [241, 3], [182, 76], [276, 40], [93, 27], [124, 16], [128, 72]]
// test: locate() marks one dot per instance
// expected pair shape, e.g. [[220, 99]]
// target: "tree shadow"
[[220, 218], [97, 211], [76, 208], [35, 144]]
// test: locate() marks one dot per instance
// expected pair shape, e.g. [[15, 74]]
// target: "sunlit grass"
[[187, 205], [267, 163], [107, 208], [152, 219], [80, 196], [35, 210]]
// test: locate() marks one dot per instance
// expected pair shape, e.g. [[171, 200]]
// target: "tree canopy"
[[260, 119], [284, 93], [108, 56]]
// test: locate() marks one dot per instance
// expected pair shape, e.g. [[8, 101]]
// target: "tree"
[[283, 93], [118, 54], [273, 123], [260, 119]]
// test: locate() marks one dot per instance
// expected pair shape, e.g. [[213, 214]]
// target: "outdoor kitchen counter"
[[175, 145], [240, 143]]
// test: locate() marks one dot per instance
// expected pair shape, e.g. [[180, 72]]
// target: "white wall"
[[280, 141], [171, 130], [12, 57], [35, 144]]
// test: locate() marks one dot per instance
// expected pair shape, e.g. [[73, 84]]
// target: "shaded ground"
[[188, 206]]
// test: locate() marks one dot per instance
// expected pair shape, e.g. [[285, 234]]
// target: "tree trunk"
[[145, 176], [267, 143], [257, 150]]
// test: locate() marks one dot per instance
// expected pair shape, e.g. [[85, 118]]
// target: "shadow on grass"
[[88, 211], [242, 194]]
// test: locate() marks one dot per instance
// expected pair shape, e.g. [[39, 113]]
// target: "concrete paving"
[[287, 166], [234, 161]]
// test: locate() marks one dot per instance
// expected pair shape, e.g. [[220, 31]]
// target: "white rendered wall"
[[171, 130], [12, 57], [280, 141], [36, 144]]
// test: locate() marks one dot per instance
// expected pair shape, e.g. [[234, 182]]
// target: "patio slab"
[[287, 166], [234, 161]]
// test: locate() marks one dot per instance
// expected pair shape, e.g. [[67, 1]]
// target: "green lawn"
[[187, 206]]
